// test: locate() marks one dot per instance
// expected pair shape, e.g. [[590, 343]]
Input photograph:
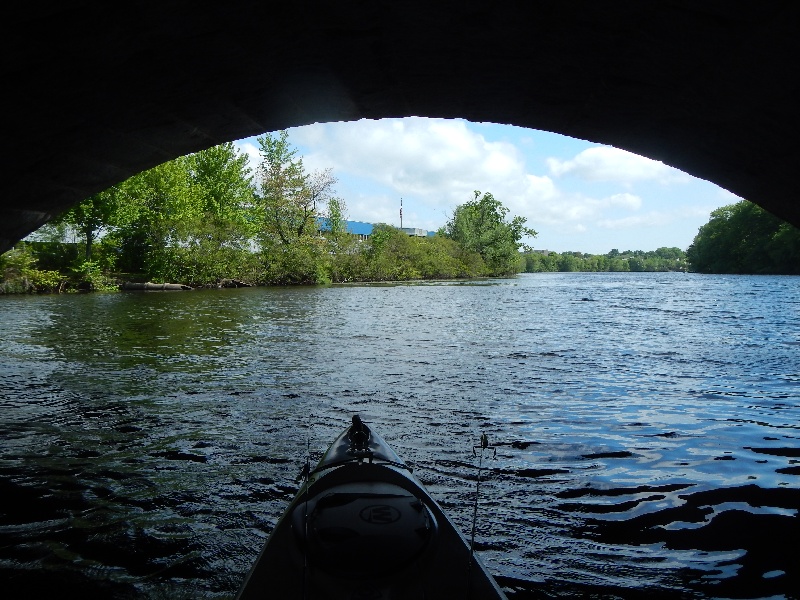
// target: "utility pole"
[[401, 213]]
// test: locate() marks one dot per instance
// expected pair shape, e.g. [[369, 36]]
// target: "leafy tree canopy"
[[480, 226], [744, 238]]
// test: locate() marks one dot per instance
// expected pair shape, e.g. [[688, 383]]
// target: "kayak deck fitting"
[[363, 527]]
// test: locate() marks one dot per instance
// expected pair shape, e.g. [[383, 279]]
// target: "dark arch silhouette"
[[95, 92]]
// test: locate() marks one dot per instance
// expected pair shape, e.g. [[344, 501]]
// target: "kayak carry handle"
[[359, 435]]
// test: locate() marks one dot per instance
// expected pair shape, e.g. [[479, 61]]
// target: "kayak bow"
[[364, 527]]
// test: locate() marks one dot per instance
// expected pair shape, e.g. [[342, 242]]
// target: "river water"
[[647, 428]]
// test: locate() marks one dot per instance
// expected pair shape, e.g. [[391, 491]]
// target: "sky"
[[578, 196]]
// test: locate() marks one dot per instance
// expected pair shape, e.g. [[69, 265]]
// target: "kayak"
[[363, 527]]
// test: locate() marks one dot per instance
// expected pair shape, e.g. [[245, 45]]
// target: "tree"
[[783, 249], [670, 253], [340, 242], [480, 226], [218, 244], [223, 182], [290, 202], [19, 273], [637, 264], [156, 210], [319, 187], [744, 238], [335, 225], [287, 203], [89, 218]]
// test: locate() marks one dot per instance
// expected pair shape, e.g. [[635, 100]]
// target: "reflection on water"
[[648, 428]]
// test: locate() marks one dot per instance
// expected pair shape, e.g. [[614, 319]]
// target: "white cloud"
[[656, 218], [438, 163], [372, 209], [623, 200], [603, 163], [638, 221], [441, 161], [435, 164]]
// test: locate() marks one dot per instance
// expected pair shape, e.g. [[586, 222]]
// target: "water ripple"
[[647, 438]]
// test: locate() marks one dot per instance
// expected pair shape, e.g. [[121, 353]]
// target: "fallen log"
[[128, 285]]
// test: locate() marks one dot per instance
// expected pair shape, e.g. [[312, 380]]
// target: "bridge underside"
[[96, 92]]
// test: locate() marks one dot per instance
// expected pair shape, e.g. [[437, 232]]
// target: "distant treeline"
[[663, 259], [744, 238], [740, 238]]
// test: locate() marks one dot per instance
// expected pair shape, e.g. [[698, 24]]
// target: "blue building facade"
[[364, 230]]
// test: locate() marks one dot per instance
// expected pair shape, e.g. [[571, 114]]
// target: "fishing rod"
[[306, 476], [484, 445]]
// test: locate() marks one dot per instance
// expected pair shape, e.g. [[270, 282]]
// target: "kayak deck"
[[364, 527]]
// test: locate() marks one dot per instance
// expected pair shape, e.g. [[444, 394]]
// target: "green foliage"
[[336, 226], [54, 255], [156, 211], [287, 208], [392, 255], [223, 184], [662, 259], [89, 276], [89, 218], [189, 220], [300, 263], [20, 275], [45, 282], [216, 243], [744, 238], [289, 204], [480, 226], [340, 244]]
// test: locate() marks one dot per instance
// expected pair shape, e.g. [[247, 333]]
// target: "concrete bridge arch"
[[96, 92]]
